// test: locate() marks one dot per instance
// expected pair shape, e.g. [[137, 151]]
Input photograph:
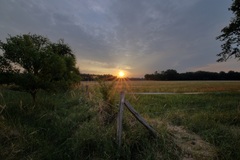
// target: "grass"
[[215, 117], [39, 131], [70, 126], [175, 86]]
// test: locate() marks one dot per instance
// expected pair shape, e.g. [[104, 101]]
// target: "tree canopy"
[[231, 35], [173, 75], [33, 62]]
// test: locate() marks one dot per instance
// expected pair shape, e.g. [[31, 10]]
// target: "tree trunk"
[[33, 94]]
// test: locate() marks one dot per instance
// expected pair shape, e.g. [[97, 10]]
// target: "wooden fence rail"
[[140, 119], [135, 114]]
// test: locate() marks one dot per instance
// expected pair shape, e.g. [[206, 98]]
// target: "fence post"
[[119, 119]]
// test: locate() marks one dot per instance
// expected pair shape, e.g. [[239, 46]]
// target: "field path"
[[192, 145], [163, 93]]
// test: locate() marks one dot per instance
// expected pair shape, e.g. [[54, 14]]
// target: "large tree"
[[32, 62], [231, 35]]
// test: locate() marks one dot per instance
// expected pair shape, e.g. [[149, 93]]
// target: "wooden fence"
[[124, 102]]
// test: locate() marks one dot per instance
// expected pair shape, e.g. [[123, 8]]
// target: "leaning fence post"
[[119, 119]]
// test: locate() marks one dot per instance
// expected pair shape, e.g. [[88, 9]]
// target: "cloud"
[[140, 36], [231, 65]]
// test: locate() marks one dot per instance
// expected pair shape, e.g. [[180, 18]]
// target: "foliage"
[[94, 77], [171, 74], [231, 35], [108, 110], [32, 62]]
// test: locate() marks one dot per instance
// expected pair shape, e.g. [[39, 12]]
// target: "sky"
[[136, 36]]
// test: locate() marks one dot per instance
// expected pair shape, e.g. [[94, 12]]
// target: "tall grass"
[[107, 107], [66, 126], [215, 117], [40, 130]]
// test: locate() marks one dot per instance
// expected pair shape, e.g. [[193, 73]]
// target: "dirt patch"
[[192, 145]]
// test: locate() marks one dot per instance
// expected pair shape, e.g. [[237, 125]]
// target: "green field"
[[82, 125]]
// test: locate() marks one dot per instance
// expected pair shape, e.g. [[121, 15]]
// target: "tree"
[[170, 74], [32, 62], [231, 35]]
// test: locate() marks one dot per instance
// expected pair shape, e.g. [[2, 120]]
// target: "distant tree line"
[[171, 74], [94, 77]]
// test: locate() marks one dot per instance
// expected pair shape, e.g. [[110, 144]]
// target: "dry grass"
[[175, 86]]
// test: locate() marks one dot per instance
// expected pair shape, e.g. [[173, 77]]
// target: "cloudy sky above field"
[[138, 36]]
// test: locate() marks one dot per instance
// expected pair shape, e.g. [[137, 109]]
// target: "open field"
[[175, 86], [214, 114], [72, 125]]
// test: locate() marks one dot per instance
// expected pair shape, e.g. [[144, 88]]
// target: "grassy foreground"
[[73, 125], [215, 117]]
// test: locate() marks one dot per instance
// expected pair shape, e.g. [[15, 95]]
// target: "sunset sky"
[[137, 36]]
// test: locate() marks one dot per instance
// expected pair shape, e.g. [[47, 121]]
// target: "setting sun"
[[121, 74]]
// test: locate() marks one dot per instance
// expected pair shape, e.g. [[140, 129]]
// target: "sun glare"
[[121, 74]]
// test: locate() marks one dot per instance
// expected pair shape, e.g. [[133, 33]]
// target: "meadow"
[[81, 124]]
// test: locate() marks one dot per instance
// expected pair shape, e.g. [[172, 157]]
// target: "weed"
[[107, 107]]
